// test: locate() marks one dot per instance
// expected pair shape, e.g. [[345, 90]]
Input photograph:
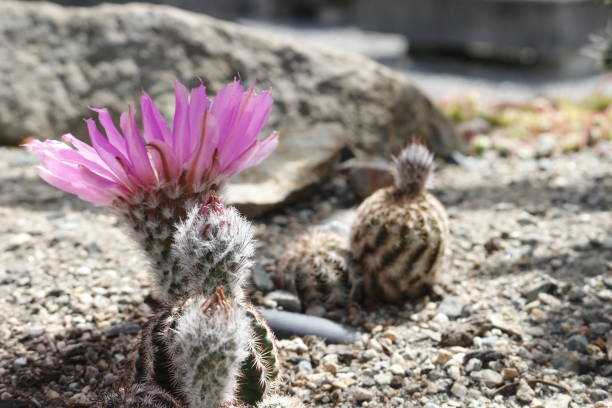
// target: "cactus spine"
[[401, 232], [316, 267]]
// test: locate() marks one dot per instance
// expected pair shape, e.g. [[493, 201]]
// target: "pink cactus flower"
[[209, 142]]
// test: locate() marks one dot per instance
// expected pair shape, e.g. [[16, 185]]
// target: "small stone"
[[524, 392], [577, 342], [489, 377], [391, 335], [459, 390], [296, 345], [72, 350], [286, 300], [123, 328], [549, 300], [362, 394], [451, 306], [453, 372], [305, 367], [20, 362], [51, 394], [599, 395], [109, 379], [383, 378], [473, 364], [509, 373], [558, 401], [443, 357], [532, 292], [369, 355], [397, 369], [79, 400], [366, 177], [261, 279]]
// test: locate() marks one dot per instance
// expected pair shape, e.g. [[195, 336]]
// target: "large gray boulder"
[[55, 62]]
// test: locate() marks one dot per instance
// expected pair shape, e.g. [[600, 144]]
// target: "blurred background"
[[523, 46]]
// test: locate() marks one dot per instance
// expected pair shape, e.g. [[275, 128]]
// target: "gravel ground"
[[522, 315]]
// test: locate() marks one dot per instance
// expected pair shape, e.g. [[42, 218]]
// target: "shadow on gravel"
[[77, 361], [535, 197]]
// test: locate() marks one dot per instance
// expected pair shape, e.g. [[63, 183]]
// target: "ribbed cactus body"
[[400, 233], [153, 223], [260, 370], [194, 350], [213, 247], [316, 267]]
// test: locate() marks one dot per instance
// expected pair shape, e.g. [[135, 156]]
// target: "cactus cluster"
[[396, 246], [207, 346]]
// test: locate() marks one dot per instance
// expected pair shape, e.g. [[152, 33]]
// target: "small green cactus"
[[317, 268], [261, 368], [400, 233]]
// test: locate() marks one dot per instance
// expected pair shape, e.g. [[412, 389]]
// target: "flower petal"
[[180, 125], [137, 153], [154, 125]]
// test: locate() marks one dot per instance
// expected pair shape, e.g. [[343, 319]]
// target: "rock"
[[261, 279], [363, 394], [297, 345], [287, 324], [489, 377], [383, 378], [577, 342], [599, 395], [443, 356], [79, 400], [305, 367], [558, 401], [473, 364], [20, 362], [367, 177], [458, 390], [524, 392], [451, 306], [532, 292], [123, 328], [509, 373], [453, 372], [96, 56], [284, 299]]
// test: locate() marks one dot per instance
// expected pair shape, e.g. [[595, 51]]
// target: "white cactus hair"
[[413, 169], [203, 243], [208, 345]]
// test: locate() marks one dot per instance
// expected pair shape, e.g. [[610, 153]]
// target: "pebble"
[[473, 364], [363, 394], [577, 342], [524, 392], [296, 345], [287, 300], [453, 372], [459, 390], [305, 367], [122, 328], [599, 395], [383, 378], [79, 400], [443, 356], [261, 279], [451, 306], [509, 373], [20, 362], [489, 377]]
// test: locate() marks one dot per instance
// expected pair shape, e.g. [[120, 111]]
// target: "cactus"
[[261, 368], [193, 350], [138, 396], [317, 268], [400, 233], [212, 247]]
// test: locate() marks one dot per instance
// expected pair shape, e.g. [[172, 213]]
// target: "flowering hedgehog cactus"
[[152, 177], [207, 347], [400, 233]]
